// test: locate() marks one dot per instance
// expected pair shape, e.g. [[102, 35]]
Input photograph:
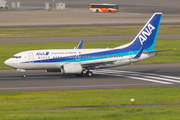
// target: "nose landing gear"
[[23, 71], [24, 75]]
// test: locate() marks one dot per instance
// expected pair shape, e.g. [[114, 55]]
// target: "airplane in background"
[[75, 61]]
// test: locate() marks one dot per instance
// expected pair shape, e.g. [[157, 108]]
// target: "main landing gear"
[[89, 73]]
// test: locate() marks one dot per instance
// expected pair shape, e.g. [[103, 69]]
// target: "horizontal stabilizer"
[[158, 51]]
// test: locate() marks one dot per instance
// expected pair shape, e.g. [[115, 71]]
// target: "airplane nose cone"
[[7, 62]]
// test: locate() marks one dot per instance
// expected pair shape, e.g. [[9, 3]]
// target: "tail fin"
[[147, 36]]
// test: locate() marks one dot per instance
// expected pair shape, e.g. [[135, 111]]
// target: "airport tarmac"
[[85, 38], [130, 6], [130, 76], [77, 13], [78, 17]]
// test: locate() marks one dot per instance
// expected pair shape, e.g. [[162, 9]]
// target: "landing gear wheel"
[[89, 74], [24, 75]]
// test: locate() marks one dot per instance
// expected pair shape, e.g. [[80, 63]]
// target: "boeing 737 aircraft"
[[75, 61]]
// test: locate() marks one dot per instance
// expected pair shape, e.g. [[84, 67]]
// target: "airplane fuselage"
[[54, 59]]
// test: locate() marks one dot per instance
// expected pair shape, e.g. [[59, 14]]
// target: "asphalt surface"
[[132, 12], [130, 76], [85, 38], [130, 6], [83, 25]]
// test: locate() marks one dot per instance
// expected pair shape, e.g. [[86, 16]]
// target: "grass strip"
[[8, 50], [82, 31], [115, 113], [56, 99]]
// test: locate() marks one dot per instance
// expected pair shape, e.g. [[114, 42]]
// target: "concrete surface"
[[77, 13], [131, 76], [85, 38]]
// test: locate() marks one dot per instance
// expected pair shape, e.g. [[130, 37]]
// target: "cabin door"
[[31, 57]]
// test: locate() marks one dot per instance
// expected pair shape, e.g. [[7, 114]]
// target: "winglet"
[[139, 53], [80, 44]]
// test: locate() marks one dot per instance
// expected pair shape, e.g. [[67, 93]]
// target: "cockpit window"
[[17, 57]]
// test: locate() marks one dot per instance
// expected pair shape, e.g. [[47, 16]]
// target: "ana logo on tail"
[[146, 33]]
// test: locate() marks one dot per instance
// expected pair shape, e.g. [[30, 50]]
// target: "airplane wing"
[[97, 65], [94, 64]]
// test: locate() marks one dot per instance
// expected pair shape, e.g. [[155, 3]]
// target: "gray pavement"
[[132, 6], [83, 25], [131, 76], [77, 13], [85, 38], [79, 16]]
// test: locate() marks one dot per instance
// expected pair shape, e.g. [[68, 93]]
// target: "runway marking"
[[145, 79], [165, 79], [149, 74], [140, 76]]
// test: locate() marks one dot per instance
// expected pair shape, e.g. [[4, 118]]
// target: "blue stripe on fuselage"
[[114, 52]]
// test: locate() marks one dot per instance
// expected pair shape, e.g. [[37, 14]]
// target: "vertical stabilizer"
[[147, 36]]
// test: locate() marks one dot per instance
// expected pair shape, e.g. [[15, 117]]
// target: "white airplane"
[[75, 61]]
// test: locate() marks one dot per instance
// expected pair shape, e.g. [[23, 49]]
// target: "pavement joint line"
[[75, 86]]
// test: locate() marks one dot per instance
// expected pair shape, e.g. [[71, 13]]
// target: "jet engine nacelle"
[[71, 69]]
